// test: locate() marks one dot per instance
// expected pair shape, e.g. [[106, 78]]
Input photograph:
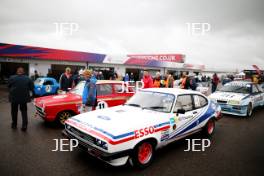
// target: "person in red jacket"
[[147, 80], [215, 82]]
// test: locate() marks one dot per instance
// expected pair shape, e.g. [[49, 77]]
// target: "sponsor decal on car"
[[114, 140], [165, 135]]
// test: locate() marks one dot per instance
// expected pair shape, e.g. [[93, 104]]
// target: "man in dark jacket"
[[19, 95], [66, 80]]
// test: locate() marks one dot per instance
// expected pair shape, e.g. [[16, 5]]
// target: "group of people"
[[186, 81]]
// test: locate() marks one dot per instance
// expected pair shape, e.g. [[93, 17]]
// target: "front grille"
[[221, 101], [40, 111], [237, 107], [85, 145], [86, 137]]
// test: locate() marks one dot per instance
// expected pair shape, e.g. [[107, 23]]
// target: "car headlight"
[[68, 126], [234, 102], [101, 144]]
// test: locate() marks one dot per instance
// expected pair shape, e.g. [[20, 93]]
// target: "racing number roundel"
[[101, 105], [48, 88]]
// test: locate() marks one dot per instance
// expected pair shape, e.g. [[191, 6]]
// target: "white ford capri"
[[150, 119]]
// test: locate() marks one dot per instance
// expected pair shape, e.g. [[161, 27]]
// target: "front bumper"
[[115, 159], [40, 112], [45, 116], [239, 110]]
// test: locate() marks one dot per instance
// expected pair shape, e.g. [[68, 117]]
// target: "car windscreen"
[[155, 101], [237, 88], [78, 89], [38, 82]]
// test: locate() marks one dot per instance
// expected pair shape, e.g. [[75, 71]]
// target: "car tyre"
[[209, 128], [143, 154], [63, 116], [249, 110]]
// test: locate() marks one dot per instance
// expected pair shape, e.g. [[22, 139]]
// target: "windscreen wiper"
[[153, 107], [132, 104]]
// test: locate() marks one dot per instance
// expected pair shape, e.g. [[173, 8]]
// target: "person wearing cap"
[[66, 80], [20, 87], [89, 91]]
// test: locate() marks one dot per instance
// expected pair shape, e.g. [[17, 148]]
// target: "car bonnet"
[[120, 120]]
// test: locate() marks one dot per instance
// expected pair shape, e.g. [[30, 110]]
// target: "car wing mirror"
[[180, 111]]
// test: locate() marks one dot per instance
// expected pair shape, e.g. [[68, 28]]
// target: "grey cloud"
[[143, 26]]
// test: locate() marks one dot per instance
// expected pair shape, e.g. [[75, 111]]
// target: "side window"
[[104, 89], [184, 102], [254, 89], [199, 101], [48, 82], [260, 88], [118, 88]]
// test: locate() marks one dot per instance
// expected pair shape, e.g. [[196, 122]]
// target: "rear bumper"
[[115, 159]]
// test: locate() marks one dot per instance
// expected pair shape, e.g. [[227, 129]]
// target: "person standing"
[[126, 78], [49, 74], [66, 80], [170, 81], [185, 81], [193, 83], [19, 86], [89, 92], [147, 80], [215, 81], [157, 80], [35, 76], [132, 78]]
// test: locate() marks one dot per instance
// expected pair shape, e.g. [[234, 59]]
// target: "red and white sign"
[[179, 58], [194, 66]]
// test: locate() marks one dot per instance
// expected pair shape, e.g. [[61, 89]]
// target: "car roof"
[[46, 78], [241, 82], [175, 91], [108, 81]]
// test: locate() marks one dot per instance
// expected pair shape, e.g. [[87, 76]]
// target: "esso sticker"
[[144, 132]]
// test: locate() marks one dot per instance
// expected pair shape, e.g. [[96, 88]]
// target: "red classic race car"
[[59, 108]]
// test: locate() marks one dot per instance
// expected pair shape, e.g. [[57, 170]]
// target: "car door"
[[183, 120], [257, 96], [200, 107], [104, 95]]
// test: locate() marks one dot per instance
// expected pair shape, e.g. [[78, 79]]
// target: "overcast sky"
[[235, 40]]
